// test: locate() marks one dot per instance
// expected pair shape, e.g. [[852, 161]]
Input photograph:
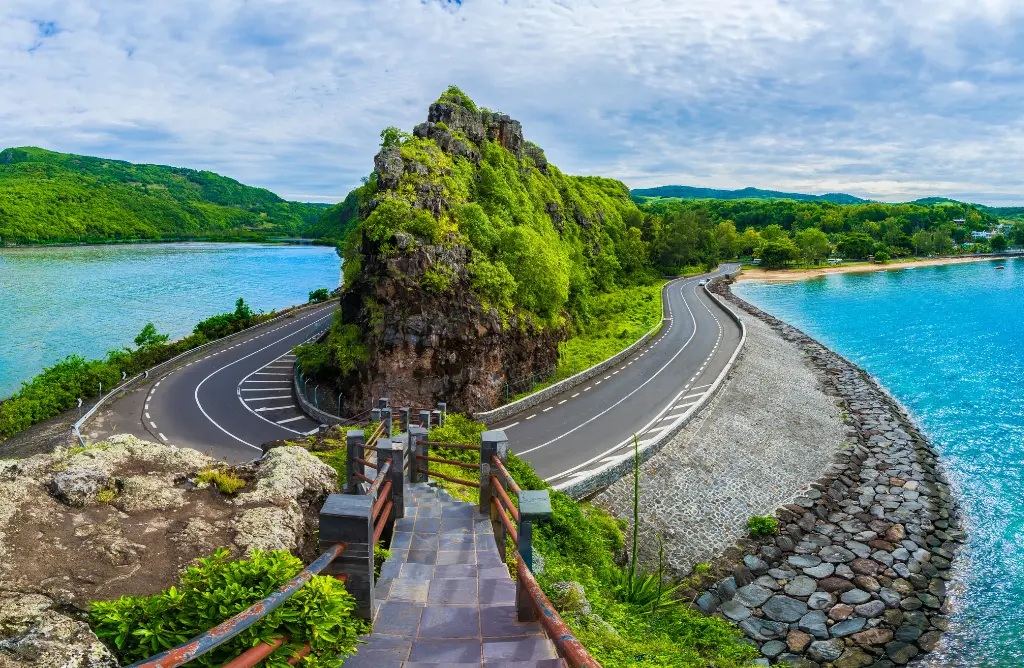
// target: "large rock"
[[34, 631], [79, 486]]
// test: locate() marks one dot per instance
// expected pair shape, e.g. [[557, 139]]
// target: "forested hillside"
[[48, 197], [690, 192]]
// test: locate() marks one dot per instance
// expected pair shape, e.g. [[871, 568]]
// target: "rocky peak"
[[476, 125]]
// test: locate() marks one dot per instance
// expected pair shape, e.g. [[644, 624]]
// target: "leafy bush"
[[319, 295], [493, 283], [454, 95], [225, 481], [137, 627], [380, 555], [339, 354], [762, 525], [436, 279]]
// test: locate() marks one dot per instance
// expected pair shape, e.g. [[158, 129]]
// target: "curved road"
[[240, 395], [593, 423], [234, 398]]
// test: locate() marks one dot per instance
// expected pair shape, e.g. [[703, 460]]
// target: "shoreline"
[[819, 272], [125, 242], [866, 554]]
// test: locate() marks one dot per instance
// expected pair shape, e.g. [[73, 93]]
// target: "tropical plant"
[[762, 525], [319, 295]]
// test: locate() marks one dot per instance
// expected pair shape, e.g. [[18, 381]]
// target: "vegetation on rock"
[[48, 197]]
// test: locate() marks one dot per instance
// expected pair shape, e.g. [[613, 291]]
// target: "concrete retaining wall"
[[508, 410], [612, 471]]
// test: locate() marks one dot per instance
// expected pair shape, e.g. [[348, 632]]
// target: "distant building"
[[987, 234]]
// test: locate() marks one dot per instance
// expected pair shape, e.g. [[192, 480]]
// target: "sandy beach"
[[803, 274]]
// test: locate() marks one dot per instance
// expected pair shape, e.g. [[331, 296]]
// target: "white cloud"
[[883, 99]]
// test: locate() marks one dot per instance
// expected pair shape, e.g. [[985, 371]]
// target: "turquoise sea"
[[948, 342], [90, 299]]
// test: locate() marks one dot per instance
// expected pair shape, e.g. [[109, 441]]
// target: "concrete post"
[[375, 415], [404, 413], [382, 403], [347, 518], [443, 407], [425, 420], [396, 476], [389, 426], [417, 440], [435, 417], [354, 439], [534, 505], [492, 443]]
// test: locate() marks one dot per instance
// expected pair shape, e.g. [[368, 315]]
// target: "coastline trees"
[[813, 245]]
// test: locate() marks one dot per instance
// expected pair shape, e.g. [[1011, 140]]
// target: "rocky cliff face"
[[429, 345]]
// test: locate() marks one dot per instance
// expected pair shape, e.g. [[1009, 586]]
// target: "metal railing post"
[[354, 440], [492, 444], [348, 519], [396, 476], [418, 446], [534, 505]]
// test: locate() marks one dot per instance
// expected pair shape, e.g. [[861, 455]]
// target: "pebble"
[[855, 596]]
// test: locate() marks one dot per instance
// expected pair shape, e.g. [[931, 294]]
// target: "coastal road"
[[593, 423], [234, 398]]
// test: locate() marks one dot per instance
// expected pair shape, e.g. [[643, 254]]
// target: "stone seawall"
[[857, 575]]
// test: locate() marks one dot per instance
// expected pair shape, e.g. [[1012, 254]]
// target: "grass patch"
[[225, 481]]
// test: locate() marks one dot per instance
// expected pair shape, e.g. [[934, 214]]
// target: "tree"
[[776, 254], [999, 243], [773, 233], [632, 252], [881, 257], [148, 338], [749, 241], [728, 239], [392, 136], [319, 295], [855, 245], [813, 245], [1017, 234]]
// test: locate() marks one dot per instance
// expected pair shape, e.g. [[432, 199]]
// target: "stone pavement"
[[445, 597]]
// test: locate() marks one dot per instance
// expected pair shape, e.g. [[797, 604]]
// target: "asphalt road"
[[592, 423], [236, 397]]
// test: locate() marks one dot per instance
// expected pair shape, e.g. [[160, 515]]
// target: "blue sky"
[[888, 100]]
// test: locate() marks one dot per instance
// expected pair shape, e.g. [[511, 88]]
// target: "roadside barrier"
[[76, 429]]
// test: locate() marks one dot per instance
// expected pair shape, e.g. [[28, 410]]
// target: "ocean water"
[[91, 299], [948, 342]]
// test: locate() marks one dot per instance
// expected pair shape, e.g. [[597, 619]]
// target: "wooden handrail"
[[457, 481], [504, 472], [454, 462], [507, 502]]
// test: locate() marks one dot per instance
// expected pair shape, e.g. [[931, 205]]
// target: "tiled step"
[[445, 597]]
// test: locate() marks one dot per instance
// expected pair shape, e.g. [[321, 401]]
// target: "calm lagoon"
[[948, 342], [87, 300]]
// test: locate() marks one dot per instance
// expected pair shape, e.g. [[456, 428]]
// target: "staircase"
[[445, 597]]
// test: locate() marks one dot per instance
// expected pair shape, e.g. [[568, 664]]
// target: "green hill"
[[48, 197], [690, 192]]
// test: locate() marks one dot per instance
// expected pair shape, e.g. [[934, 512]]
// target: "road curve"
[[234, 399], [584, 427]]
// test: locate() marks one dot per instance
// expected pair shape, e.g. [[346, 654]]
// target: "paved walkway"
[[445, 597]]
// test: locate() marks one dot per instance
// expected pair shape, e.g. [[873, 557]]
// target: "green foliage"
[[813, 245], [59, 387], [494, 283], [540, 271], [881, 257], [49, 197], [380, 555], [778, 253], [338, 355], [319, 295], [224, 480], [998, 242], [437, 279], [454, 95], [762, 525], [137, 627], [392, 136], [148, 338]]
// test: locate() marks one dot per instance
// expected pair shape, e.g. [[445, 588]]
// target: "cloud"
[[883, 99]]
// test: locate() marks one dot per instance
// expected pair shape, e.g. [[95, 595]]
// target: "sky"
[[885, 100]]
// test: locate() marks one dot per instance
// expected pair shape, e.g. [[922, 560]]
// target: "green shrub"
[[380, 555], [319, 295], [225, 481], [137, 627], [436, 279], [454, 95], [762, 525], [339, 354], [493, 283]]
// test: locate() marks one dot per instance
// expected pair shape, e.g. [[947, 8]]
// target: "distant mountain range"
[[690, 192]]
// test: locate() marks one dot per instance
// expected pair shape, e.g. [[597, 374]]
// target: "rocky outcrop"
[[124, 517], [858, 574], [437, 346]]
